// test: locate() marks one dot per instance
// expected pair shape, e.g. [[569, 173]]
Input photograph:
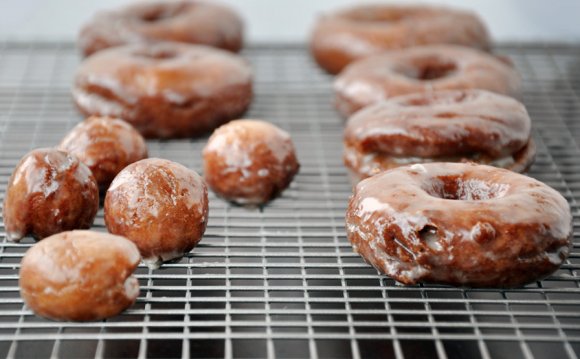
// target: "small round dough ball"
[[161, 206], [249, 161], [80, 276], [106, 145], [49, 192]]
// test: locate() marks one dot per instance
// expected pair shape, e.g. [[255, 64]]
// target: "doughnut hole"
[[50, 191], [465, 189], [159, 205]]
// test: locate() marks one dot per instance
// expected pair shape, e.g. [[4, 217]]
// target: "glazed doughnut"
[[161, 206], [80, 275], [421, 69], [357, 32], [185, 21], [459, 224], [445, 126], [165, 90], [50, 191], [106, 145], [249, 161]]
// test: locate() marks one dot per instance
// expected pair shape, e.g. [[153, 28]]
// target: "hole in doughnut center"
[[460, 189], [157, 16], [436, 70], [430, 68], [156, 54]]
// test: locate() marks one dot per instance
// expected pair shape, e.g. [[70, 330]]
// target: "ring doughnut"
[[193, 22], [357, 32], [459, 224], [422, 69], [445, 126]]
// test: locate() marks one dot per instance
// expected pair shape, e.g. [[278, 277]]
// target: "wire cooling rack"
[[283, 281]]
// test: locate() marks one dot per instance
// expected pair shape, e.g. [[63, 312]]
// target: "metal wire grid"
[[283, 281]]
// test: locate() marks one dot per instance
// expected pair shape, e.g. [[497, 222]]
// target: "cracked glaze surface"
[[193, 22], [161, 206], [445, 126], [459, 224]]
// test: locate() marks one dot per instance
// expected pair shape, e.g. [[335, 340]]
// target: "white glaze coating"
[[365, 29], [177, 73], [407, 223], [196, 22], [160, 205], [50, 191], [399, 72], [256, 157], [80, 275], [446, 126], [106, 145]]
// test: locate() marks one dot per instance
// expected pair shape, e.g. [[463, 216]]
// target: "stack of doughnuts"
[[347, 35], [429, 110], [165, 90], [417, 89], [460, 224]]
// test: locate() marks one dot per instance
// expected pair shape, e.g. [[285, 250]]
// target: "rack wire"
[[283, 281]]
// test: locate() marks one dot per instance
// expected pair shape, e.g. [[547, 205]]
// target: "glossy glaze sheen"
[[161, 206], [49, 192], [445, 126], [347, 35], [80, 276], [459, 224], [249, 161], [106, 145], [192, 22], [165, 90], [362, 165], [401, 72]]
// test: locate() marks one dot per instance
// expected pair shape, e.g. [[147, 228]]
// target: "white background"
[[291, 20]]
